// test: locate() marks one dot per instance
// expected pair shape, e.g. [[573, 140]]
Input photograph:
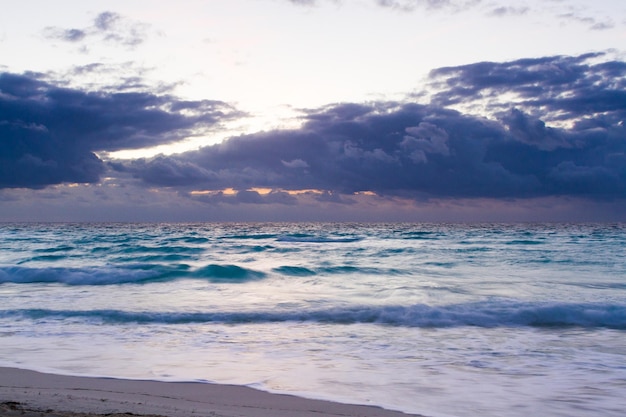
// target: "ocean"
[[437, 319]]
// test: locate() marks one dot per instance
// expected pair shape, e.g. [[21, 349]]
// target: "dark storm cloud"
[[107, 26], [425, 150], [560, 87], [48, 134]]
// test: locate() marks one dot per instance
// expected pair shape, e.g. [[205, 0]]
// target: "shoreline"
[[30, 393]]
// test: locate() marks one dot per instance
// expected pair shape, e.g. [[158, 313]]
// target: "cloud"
[[592, 22], [303, 2], [531, 129], [562, 11], [49, 134], [407, 5], [411, 5], [69, 35], [107, 26], [280, 198], [102, 77], [296, 163], [508, 11], [577, 89], [418, 151], [105, 21]]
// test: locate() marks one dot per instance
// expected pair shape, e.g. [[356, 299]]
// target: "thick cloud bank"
[[48, 134], [543, 127], [421, 150]]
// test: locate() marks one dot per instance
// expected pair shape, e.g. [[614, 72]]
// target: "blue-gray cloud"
[[421, 150], [559, 88], [49, 134], [107, 26], [554, 127]]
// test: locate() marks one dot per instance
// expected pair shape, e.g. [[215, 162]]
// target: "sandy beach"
[[29, 394]]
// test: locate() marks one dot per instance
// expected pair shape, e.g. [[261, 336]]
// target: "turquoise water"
[[437, 319]]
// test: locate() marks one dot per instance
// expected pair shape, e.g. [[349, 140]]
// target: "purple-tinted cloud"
[[415, 150], [48, 134], [553, 88], [560, 132]]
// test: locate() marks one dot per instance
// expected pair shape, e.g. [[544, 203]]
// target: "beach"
[[428, 319], [28, 393]]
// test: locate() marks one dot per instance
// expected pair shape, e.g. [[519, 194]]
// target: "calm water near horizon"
[[436, 319]]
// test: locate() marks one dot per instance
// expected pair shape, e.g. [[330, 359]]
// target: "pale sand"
[[33, 394]]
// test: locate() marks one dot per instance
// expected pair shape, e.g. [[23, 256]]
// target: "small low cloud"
[[508, 11], [411, 5], [236, 197], [593, 23], [303, 2], [406, 5], [296, 163], [109, 27]]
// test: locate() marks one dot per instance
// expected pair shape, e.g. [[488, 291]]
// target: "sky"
[[313, 110]]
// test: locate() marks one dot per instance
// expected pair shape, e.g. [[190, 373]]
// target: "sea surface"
[[436, 319]]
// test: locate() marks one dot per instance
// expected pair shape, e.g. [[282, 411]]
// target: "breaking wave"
[[145, 271], [510, 314], [137, 274]]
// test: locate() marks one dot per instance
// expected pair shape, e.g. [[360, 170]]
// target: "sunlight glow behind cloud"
[[303, 104]]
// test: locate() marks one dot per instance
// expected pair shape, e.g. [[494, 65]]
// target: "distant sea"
[[437, 319]]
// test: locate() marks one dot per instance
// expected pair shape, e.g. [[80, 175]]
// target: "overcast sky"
[[339, 110]]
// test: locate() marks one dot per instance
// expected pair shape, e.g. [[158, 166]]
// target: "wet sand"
[[34, 394]]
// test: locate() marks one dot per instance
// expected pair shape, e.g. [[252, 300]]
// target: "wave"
[[227, 273], [45, 258], [552, 315], [189, 239], [77, 276], [136, 274], [317, 239], [336, 270], [296, 271], [418, 235], [144, 272], [131, 249], [63, 248], [525, 242], [168, 267], [259, 236]]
